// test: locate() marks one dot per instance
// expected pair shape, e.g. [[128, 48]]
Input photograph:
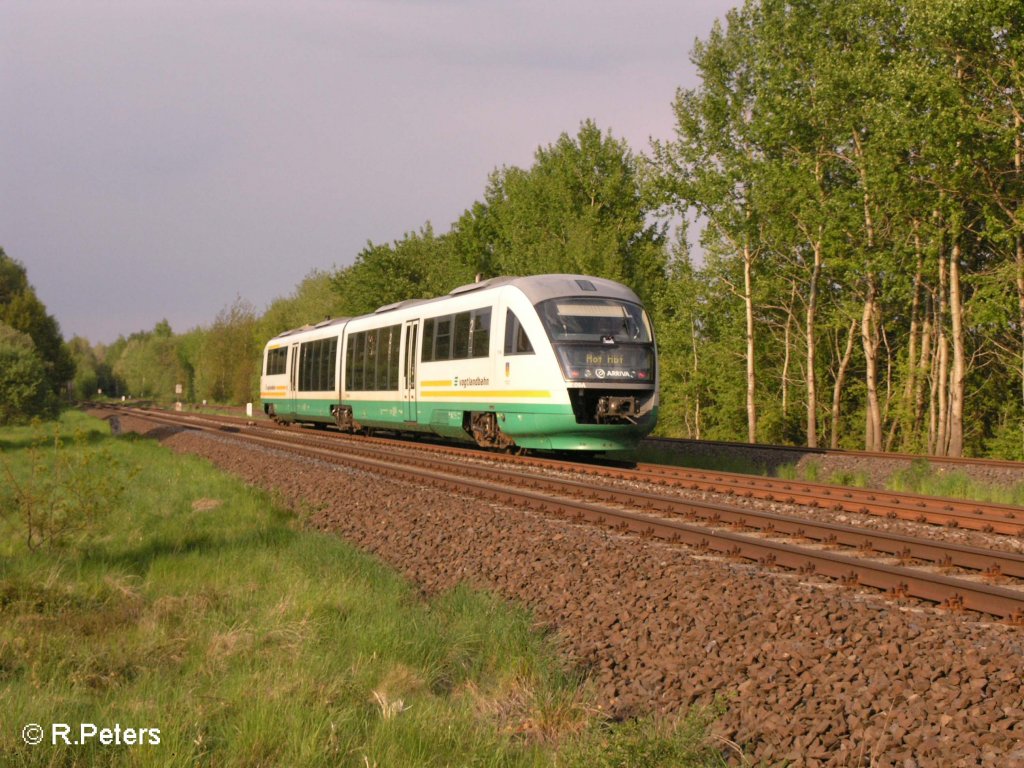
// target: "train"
[[539, 363]]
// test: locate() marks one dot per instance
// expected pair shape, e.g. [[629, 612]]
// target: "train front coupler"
[[615, 410]]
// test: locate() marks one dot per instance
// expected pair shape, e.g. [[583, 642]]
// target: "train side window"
[[380, 382], [373, 369], [396, 337], [277, 361], [383, 357], [428, 341], [315, 364], [358, 360], [330, 367], [516, 340], [443, 338], [457, 337], [319, 364], [350, 361], [305, 366], [307, 352], [361, 364], [350, 356], [460, 350], [480, 333], [315, 351], [316, 367], [322, 364]]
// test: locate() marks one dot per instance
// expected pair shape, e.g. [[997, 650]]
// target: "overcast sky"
[[157, 160]]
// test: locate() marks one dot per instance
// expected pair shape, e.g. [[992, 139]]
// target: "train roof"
[[536, 288], [313, 326]]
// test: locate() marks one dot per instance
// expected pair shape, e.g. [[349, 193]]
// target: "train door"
[[409, 374], [293, 379]]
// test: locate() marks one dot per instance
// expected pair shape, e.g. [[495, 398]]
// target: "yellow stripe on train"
[[530, 393]]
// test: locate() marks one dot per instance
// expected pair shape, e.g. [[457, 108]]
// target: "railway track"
[[953, 575], [954, 513], [933, 510], [990, 518]]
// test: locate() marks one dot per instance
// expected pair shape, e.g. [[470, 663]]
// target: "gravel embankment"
[[813, 674]]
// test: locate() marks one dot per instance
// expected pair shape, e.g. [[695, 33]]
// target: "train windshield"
[[605, 321], [600, 339]]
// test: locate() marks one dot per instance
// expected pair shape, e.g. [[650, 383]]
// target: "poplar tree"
[[711, 167], [868, 155]]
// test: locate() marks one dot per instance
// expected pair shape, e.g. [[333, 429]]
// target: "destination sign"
[[604, 359], [617, 364]]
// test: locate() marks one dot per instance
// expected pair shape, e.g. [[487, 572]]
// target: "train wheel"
[[485, 430]]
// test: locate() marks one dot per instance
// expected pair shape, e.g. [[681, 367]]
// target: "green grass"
[[196, 606], [921, 477], [810, 472]]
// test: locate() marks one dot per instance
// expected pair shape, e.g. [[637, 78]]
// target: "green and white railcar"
[[550, 362]]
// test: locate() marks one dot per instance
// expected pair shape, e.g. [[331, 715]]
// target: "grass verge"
[[921, 477], [196, 609]]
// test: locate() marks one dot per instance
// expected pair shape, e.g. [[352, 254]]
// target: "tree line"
[[859, 166], [34, 361], [852, 171]]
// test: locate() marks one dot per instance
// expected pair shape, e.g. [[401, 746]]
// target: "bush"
[[65, 493], [1008, 440], [25, 391]]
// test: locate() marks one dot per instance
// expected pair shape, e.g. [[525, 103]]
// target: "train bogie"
[[552, 362]]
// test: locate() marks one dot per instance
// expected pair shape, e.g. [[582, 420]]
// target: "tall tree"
[[227, 364], [24, 389], [579, 209], [868, 152], [420, 265], [149, 365], [313, 299], [22, 310], [711, 166]]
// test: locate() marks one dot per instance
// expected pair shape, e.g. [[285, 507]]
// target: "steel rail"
[[971, 515], [951, 591], [944, 554], [987, 517]]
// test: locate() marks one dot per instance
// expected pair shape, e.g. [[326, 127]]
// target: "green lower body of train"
[[533, 426]]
